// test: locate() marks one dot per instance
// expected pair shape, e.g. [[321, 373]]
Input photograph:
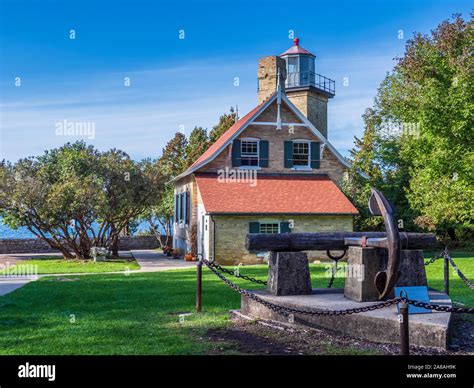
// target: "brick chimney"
[[268, 70]]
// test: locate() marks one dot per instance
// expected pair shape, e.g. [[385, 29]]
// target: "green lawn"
[[139, 313], [55, 265]]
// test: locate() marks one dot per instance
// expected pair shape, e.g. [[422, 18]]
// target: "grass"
[[55, 265], [139, 313]]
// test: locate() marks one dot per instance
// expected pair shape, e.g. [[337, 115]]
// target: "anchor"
[[392, 240], [379, 206]]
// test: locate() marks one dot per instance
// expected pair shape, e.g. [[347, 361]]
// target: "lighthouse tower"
[[305, 88]]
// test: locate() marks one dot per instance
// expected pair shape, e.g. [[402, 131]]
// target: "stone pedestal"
[[288, 274], [364, 263]]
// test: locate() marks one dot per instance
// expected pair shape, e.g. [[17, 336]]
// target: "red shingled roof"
[[227, 135], [296, 49], [274, 194]]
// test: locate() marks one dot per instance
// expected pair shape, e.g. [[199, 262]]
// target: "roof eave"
[[220, 149]]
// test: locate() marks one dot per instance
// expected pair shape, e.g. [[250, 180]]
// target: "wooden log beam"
[[295, 242]]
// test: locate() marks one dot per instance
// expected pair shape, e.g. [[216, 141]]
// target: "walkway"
[[152, 261], [149, 260]]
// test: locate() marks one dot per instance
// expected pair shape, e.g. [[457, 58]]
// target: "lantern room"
[[300, 67]]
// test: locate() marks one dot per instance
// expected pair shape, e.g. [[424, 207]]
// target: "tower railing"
[[309, 78]]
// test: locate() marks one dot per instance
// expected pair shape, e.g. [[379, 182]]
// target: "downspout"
[[213, 238]]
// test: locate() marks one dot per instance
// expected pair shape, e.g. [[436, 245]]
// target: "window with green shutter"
[[236, 153], [288, 154], [269, 227], [254, 227], [315, 154], [263, 153], [285, 227]]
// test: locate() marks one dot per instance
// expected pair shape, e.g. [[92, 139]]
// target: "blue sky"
[[181, 83]]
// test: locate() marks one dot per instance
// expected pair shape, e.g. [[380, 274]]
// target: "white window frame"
[[302, 167], [266, 222], [250, 139]]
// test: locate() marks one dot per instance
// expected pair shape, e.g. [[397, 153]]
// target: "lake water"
[[7, 233]]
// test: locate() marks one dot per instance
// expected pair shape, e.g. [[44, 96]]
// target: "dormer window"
[[249, 152], [301, 154]]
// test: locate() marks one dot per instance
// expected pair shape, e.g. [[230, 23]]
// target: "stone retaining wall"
[[33, 245]]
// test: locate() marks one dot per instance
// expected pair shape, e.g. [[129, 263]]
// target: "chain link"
[[287, 311], [459, 273], [432, 260], [236, 274], [333, 274]]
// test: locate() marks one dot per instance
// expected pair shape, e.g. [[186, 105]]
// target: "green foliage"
[[178, 155], [75, 197], [198, 143], [225, 122], [418, 139]]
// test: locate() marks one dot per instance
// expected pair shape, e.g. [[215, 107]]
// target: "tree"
[[75, 197], [225, 122], [172, 162], [422, 131], [198, 143], [131, 188]]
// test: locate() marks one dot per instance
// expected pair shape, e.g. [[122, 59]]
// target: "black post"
[[446, 274], [198, 285], [404, 332]]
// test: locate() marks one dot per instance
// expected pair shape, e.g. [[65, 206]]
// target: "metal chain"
[[333, 274], [459, 273], [287, 311], [437, 307], [432, 260], [236, 274]]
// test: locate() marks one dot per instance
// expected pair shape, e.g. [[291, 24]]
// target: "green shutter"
[[254, 227], [236, 160], [315, 154], [263, 144], [188, 207], [176, 208], [285, 227], [288, 154]]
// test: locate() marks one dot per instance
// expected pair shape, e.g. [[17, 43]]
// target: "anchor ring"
[[336, 258]]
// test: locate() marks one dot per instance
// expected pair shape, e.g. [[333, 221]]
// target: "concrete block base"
[[430, 330], [288, 274], [364, 263]]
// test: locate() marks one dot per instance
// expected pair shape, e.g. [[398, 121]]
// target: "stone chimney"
[[268, 70]]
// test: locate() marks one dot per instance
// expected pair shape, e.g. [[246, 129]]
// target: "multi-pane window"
[[269, 228], [249, 152], [300, 153]]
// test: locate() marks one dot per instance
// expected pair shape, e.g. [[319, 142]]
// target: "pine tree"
[[198, 143], [225, 122]]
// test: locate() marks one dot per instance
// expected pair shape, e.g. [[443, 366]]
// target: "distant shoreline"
[[6, 233]]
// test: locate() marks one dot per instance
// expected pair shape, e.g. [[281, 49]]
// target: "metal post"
[[198, 285], [446, 274], [404, 332]]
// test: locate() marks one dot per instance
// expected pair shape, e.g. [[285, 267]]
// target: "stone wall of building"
[[182, 232], [313, 105], [329, 164], [231, 232], [33, 245], [268, 70]]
